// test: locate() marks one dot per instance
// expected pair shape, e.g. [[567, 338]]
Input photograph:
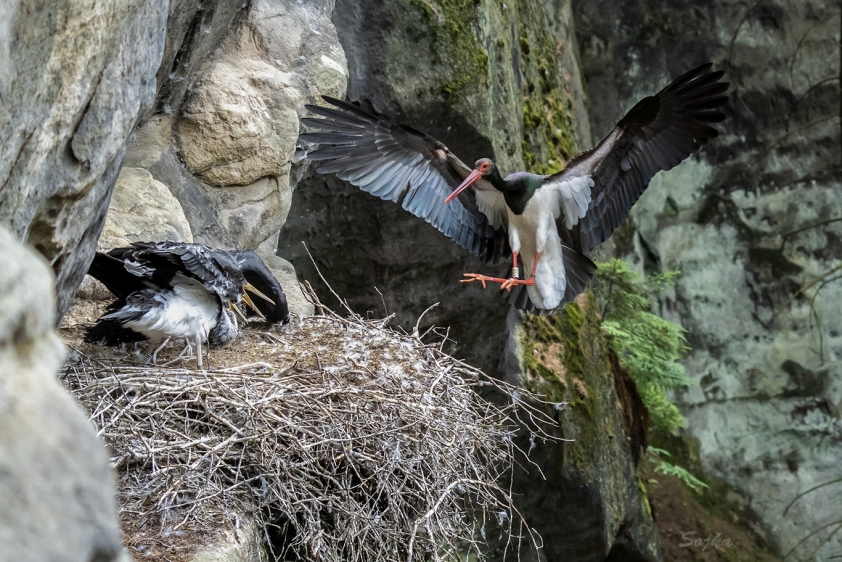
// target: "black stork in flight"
[[549, 224], [182, 290]]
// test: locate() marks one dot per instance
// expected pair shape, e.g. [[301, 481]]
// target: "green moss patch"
[[565, 359], [548, 140], [454, 47]]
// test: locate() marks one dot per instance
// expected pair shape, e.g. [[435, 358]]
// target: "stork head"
[[261, 282], [483, 168]]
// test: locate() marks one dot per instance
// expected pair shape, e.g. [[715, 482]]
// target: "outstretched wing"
[[656, 134], [398, 163], [159, 262]]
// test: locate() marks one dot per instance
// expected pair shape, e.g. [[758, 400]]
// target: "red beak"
[[470, 180]]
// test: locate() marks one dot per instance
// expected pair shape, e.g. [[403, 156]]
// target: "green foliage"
[[650, 347], [670, 469]]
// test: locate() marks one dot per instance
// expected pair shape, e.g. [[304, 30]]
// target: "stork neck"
[[519, 189], [495, 179]]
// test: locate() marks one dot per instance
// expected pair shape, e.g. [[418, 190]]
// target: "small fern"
[[670, 469], [650, 347]]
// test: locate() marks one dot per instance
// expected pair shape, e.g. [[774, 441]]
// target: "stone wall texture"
[[56, 485], [232, 85], [75, 77], [750, 221]]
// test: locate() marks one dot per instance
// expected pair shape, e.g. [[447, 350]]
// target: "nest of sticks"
[[350, 440]]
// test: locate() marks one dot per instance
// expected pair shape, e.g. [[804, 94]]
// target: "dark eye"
[[483, 166]]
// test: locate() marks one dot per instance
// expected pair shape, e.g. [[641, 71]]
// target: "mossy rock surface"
[[592, 488], [713, 524]]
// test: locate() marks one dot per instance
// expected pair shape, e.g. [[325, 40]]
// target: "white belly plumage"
[[535, 231], [187, 311]]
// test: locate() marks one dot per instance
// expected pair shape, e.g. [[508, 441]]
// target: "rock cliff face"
[[227, 81], [75, 77], [487, 79], [199, 103], [233, 80], [750, 221], [56, 486], [588, 506]]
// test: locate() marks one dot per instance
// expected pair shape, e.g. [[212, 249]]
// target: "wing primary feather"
[[702, 81], [331, 137], [335, 115], [331, 125]]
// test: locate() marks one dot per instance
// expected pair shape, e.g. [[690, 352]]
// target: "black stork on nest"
[[175, 289], [549, 224]]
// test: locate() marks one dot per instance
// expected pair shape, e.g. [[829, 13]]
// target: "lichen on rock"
[[549, 133], [749, 221]]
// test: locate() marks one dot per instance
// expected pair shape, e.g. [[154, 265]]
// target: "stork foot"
[[513, 282], [471, 277], [157, 349]]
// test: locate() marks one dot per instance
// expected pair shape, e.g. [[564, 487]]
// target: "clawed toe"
[[510, 283], [507, 284], [471, 277]]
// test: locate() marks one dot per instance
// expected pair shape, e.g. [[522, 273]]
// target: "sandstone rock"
[[748, 222], [75, 78], [142, 209], [587, 505], [240, 121], [231, 217], [194, 31], [56, 486], [232, 134], [236, 113]]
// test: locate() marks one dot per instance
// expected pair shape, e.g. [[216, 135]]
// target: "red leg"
[[528, 282], [471, 277], [506, 283]]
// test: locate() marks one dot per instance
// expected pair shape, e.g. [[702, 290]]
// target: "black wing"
[[656, 134], [111, 272], [111, 331], [400, 164], [159, 262]]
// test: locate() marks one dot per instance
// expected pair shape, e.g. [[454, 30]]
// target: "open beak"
[[469, 181], [235, 308], [255, 292], [250, 303]]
